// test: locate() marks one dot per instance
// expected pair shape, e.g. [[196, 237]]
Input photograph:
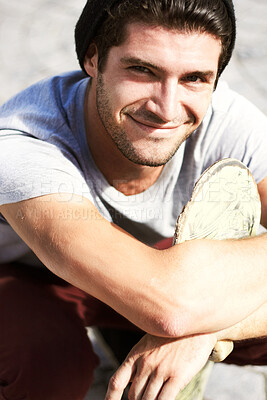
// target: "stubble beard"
[[119, 135]]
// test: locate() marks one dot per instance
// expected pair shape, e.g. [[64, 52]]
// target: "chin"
[[150, 160]]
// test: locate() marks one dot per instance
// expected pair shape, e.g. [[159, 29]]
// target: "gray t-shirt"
[[43, 150]]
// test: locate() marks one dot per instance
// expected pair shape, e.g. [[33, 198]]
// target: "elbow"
[[172, 324], [179, 324], [183, 316], [182, 323]]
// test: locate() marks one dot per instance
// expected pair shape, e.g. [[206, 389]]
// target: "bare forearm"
[[254, 326], [196, 287], [222, 282], [97, 257], [222, 290]]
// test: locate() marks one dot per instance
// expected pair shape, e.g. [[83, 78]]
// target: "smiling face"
[[154, 91]]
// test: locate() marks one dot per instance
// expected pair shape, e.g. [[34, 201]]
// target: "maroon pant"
[[45, 353]]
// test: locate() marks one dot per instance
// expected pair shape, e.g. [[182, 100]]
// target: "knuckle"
[[157, 373], [145, 364], [142, 364], [115, 383]]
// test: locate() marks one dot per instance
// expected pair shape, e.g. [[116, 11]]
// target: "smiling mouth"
[[155, 126]]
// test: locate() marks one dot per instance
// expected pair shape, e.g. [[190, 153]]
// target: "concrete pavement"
[[36, 40]]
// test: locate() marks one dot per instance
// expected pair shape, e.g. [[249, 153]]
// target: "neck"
[[129, 181], [127, 177]]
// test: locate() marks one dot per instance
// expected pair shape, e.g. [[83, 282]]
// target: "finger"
[[153, 388], [170, 389], [138, 387], [119, 381]]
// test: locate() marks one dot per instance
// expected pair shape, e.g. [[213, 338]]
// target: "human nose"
[[167, 102]]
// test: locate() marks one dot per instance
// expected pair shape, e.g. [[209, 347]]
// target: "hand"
[[160, 367]]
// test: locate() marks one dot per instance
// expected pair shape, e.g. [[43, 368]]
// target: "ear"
[[91, 61]]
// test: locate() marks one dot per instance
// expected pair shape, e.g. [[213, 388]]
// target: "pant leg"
[[45, 353], [252, 352]]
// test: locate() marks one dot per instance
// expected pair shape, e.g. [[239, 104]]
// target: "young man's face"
[[155, 90]]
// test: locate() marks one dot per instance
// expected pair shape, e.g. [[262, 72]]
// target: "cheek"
[[200, 105], [126, 92]]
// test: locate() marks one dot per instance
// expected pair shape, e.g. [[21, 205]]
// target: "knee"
[[45, 352], [44, 349], [50, 367]]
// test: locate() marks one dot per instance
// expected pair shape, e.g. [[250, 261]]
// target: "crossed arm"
[[77, 244], [160, 368]]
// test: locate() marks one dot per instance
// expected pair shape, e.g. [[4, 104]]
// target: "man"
[[93, 174]]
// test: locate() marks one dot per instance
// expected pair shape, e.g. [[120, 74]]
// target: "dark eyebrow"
[[203, 74], [139, 61], [143, 63]]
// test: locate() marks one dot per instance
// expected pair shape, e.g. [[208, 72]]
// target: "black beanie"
[[94, 14]]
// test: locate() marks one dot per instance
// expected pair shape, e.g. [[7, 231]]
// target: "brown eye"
[[192, 78], [141, 69]]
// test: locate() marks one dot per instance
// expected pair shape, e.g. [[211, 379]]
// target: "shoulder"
[[235, 109], [58, 84], [233, 127], [42, 105], [237, 121]]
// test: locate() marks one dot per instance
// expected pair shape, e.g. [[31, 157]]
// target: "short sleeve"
[[238, 130], [30, 167]]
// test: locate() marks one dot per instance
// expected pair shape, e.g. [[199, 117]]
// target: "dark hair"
[[213, 16]]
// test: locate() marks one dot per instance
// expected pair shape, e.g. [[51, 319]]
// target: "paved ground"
[[36, 40]]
